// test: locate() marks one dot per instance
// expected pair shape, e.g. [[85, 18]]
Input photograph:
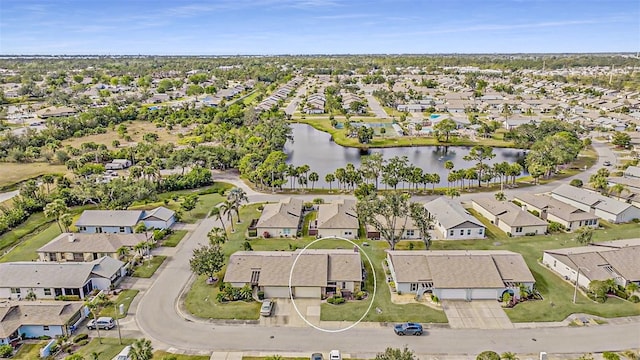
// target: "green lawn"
[[125, 297], [557, 293], [160, 355], [109, 348], [147, 269], [174, 239], [26, 250], [35, 222], [30, 351], [201, 302]]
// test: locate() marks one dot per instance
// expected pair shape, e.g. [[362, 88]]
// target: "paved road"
[[8, 195], [158, 317], [376, 108]]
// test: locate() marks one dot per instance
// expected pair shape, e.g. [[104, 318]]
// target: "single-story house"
[[459, 274], [616, 260], [47, 280], [338, 218], [407, 226], [606, 208], [118, 164], [452, 221], [282, 219], [54, 111], [509, 217], [554, 210], [632, 172], [124, 221], [86, 247], [317, 272], [25, 320]]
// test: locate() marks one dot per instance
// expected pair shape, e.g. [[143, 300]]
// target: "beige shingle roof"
[[13, 314], [555, 207], [285, 214], [313, 268], [88, 243], [337, 215], [461, 268]]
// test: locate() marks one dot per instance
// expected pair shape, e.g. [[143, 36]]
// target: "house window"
[[82, 228], [414, 286], [286, 231], [347, 233], [47, 291], [468, 231], [461, 232], [45, 328], [519, 229], [15, 291], [121, 229], [99, 230], [410, 233], [481, 231], [451, 233]]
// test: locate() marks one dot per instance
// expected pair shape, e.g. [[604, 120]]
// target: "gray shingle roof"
[[160, 212], [449, 213], [109, 218], [597, 201], [16, 314], [555, 207]]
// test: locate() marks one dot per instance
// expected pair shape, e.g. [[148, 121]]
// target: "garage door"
[[484, 294], [276, 291], [453, 294], [307, 292]]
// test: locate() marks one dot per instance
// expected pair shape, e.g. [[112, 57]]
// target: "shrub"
[[621, 293], [261, 295], [608, 355], [576, 182], [488, 355], [359, 295], [68, 297], [80, 337], [434, 299], [83, 342], [6, 351], [169, 357], [555, 227], [338, 300], [517, 202], [44, 337], [634, 299]]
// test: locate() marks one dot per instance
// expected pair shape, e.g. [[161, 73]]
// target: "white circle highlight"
[[373, 295]]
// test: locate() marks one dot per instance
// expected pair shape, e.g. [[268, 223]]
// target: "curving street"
[[159, 317]]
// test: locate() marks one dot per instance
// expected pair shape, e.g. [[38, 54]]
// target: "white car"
[[124, 354], [335, 355], [267, 307], [104, 322]]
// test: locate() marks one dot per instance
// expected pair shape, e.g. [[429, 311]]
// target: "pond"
[[316, 149]]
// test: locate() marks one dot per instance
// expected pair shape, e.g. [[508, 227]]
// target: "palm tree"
[[618, 189], [123, 252], [500, 196], [227, 208], [452, 192], [329, 178], [313, 177], [449, 165], [141, 349], [217, 236], [56, 209], [95, 355], [237, 196], [632, 287], [218, 213], [95, 306], [508, 356]]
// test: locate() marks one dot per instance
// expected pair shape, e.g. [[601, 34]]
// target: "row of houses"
[[279, 95]]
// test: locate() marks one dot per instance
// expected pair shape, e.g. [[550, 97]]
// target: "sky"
[[269, 27]]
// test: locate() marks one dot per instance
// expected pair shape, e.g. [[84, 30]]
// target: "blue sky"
[[219, 27]]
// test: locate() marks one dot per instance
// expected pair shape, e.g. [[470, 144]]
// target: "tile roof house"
[[47, 280], [509, 217], [459, 274], [282, 219], [338, 218], [316, 272], [606, 208], [452, 221], [86, 247], [124, 221], [554, 210], [616, 260], [35, 319]]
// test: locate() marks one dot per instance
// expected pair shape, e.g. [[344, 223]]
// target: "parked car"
[[408, 329], [267, 307], [335, 355], [317, 356], [607, 163], [104, 322], [124, 354]]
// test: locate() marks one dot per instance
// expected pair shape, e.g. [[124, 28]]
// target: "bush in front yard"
[[336, 300], [80, 337], [83, 342], [6, 351], [634, 299]]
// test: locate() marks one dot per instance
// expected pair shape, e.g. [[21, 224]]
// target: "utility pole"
[[575, 289]]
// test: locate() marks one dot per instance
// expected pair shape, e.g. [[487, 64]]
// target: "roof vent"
[[71, 238]]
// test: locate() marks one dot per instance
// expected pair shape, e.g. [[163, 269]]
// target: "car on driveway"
[[104, 322], [267, 307], [408, 329], [335, 355], [317, 356]]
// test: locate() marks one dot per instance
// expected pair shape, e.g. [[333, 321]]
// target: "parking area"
[[284, 314], [476, 314]]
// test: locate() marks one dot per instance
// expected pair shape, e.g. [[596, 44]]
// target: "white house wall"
[[345, 233], [564, 270], [484, 212]]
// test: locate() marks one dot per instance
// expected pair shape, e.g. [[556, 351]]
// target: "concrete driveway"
[[476, 314], [285, 314]]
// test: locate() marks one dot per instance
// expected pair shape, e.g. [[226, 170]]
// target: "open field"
[[26, 250], [135, 129], [13, 173]]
